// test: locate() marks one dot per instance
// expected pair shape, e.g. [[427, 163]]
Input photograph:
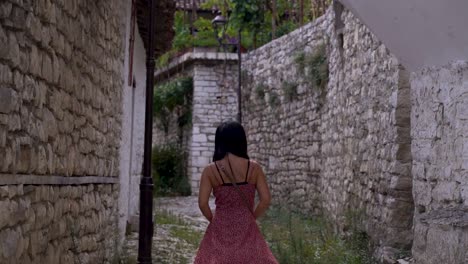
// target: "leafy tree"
[[249, 15]]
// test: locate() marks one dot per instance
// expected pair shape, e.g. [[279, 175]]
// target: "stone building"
[[431, 42], [214, 100], [71, 129]]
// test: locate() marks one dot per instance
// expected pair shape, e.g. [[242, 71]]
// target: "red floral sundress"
[[233, 236]]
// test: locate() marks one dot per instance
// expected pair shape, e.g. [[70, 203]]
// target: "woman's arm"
[[204, 195], [263, 193]]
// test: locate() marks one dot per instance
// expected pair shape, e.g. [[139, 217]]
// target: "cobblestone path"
[[179, 228]]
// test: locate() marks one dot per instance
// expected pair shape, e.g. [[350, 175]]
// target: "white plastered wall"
[[131, 144]]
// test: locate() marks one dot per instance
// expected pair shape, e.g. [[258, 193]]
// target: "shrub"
[[168, 171], [174, 97]]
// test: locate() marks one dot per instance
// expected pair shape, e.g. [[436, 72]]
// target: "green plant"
[[290, 90], [286, 27], [295, 238], [173, 97], [163, 60], [183, 38], [205, 36], [274, 99], [300, 60], [313, 67], [248, 14], [168, 171], [186, 233], [181, 237], [318, 67], [260, 90]]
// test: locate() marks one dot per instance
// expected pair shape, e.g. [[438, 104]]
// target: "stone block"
[[4, 213], [199, 138], [5, 9], [401, 183], [10, 242], [445, 192], [35, 61], [6, 75], [13, 55], [50, 124], [7, 100], [25, 155], [47, 71], [17, 18]]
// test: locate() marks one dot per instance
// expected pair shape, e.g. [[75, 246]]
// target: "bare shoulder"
[[255, 165], [256, 170], [208, 168]]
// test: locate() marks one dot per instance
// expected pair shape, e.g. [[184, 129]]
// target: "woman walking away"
[[233, 237]]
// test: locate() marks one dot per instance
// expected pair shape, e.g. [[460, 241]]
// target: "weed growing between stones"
[[300, 60], [260, 90], [317, 65], [314, 67], [296, 239], [274, 100], [290, 90]]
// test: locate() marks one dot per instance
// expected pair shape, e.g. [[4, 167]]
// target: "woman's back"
[[233, 235]]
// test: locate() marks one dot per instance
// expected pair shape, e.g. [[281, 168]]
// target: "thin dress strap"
[[247, 173], [220, 175]]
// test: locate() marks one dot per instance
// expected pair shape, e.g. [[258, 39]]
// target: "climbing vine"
[[174, 97]]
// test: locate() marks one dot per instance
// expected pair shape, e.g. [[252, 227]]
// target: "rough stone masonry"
[[377, 149], [60, 106], [214, 101], [440, 163], [344, 149]]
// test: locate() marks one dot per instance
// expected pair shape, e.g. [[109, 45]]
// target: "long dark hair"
[[230, 138]]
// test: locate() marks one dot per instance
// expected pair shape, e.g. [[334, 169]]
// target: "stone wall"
[[58, 224], [366, 141], [284, 133], [60, 126], [440, 163], [214, 101], [61, 88], [343, 150]]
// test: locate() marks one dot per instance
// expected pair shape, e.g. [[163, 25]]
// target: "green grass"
[[187, 234], [183, 236], [295, 239], [164, 217]]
